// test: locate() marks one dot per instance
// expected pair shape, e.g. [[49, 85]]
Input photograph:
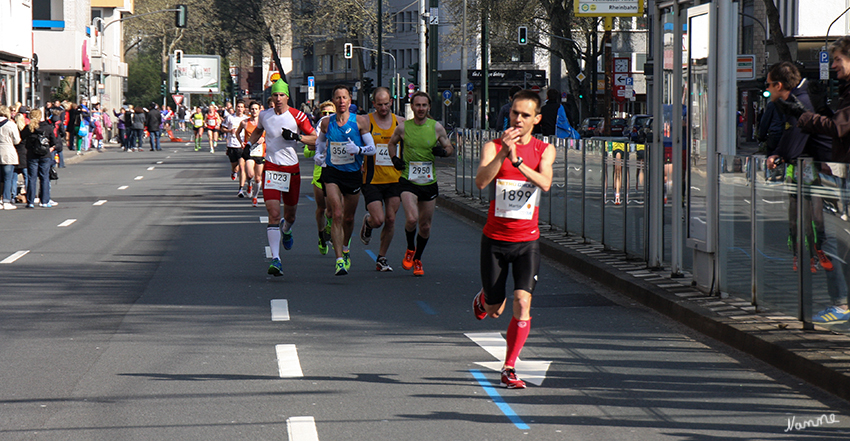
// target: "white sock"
[[256, 190], [273, 233]]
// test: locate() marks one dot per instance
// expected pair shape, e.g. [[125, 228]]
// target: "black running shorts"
[[348, 182], [380, 192], [424, 193], [234, 154], [496, 256]]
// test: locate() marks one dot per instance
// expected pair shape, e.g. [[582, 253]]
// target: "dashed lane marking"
[[139, 178], [288, 365], [151, 168], [159, 162], [15, 256], [280, 310], [302, 428], [100, 202], [123, 187], [268, 252], [67, 223], [264, 219]]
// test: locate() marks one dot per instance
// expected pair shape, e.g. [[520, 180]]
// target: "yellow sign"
[[608, 8]]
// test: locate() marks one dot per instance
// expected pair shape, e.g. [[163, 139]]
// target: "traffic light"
[[426, 37], [413, 72], [162, 89], [522, 35], [393, 88], [349, 50], [181, 17], [833, 88], [367, 85], [178, 56], [176, 87], [763, 82]]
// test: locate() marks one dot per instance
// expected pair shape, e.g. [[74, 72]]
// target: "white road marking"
[[67, 222], [288, 365], [280, 310], [123, 187], [151, 168], [139, 178], [302, 428], [15, 256], [264, 219], [159, 162], [533, 372], [268, 252], [100, 202]]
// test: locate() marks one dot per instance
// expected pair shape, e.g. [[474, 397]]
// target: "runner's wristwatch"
[[518, 162]]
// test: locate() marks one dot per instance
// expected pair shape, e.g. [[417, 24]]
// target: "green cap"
[[280, 86]]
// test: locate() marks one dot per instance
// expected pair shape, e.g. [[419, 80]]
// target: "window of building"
[[747, 28], [642, 23], [625, 23], [41, 10]]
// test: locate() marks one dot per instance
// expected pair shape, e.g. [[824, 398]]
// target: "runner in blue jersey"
[[344, 139]]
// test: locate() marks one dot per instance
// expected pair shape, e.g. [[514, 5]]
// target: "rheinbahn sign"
[[608, 8]]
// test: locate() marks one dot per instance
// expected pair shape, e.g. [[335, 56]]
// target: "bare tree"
[[776, 33]]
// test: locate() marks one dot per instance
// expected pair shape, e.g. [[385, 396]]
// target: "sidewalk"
[[819, 357]]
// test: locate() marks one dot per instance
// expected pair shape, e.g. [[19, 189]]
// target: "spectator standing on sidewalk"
[[837, 126], [36, 133], [9, 137], [153, 121], [138, 128]]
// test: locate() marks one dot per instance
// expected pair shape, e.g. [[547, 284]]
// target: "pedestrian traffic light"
[[833, 88], [413, 72], [181, 17], [349, 50], [522, 35]]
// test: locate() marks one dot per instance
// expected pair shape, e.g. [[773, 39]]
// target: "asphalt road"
[[151, 316]]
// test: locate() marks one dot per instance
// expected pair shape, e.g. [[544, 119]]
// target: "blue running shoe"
[[288, 240], [340, 268], [275, 268], [346, 258], [831, 316]]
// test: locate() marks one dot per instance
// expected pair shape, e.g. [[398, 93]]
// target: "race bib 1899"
[[382, 157], [516, 199], [276, 180], [420, 172], [338, 154]]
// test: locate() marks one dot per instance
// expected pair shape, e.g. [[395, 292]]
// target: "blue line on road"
[[310, 198], [428, 310], [372, 255], [494, 394]]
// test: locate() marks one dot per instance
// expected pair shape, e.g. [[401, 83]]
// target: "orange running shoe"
[[825, 263], [407, 263], [417, 268]]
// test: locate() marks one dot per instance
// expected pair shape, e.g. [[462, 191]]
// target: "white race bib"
[[382, 157], [516, 199], [338, 154], [257, 150], [420, 172], [276, 180]]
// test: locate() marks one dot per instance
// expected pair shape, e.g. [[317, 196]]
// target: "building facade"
[[15, 52]]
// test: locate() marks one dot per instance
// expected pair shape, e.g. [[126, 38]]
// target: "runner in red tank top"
[[517, 168]]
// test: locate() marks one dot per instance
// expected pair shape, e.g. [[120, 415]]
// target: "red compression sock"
[[517, 334]]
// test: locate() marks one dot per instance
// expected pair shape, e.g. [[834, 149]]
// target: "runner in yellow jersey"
[[381, 190]]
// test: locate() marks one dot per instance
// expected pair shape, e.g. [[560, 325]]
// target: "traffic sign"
[[469, 87], [178, 99], [311, 81], [581, 76], [447, 95], [469, 97], [447, 102], [535, 89], [823, 64]]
